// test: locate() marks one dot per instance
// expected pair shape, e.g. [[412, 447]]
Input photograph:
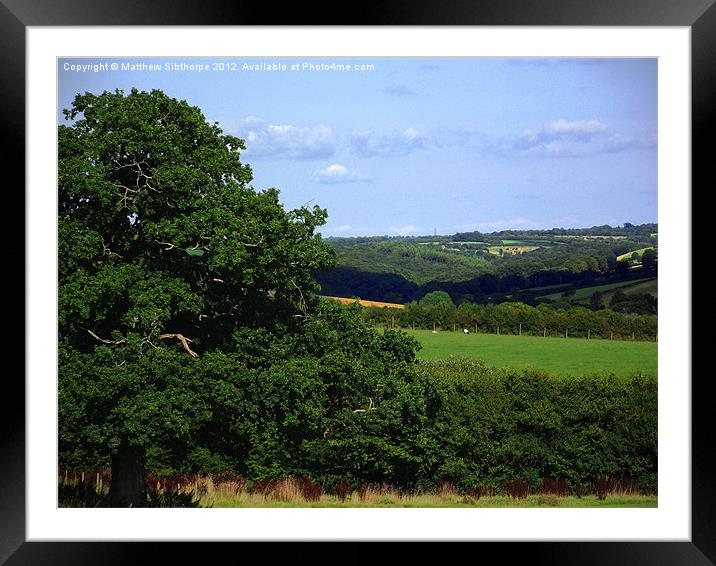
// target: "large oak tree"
[[166, 256]]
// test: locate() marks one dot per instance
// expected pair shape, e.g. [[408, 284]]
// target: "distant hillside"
[[641, 232], [484, 267], [414, 262]]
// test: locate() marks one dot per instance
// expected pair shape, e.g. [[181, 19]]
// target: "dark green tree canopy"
[[436, 298], [161, 234], [648, 259]]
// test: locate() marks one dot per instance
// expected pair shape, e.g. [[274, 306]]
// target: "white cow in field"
[[465, 331]]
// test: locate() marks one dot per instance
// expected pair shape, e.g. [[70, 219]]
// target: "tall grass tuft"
[[517, 489], [342, 490], [479, 491], [603, 486], [552, 486], [445, 490], [378, 494], [310, 490]]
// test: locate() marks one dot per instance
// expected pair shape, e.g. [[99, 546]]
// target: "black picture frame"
[[16, 15]]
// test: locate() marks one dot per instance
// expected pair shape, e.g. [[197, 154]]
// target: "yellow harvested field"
[[363, 303], [639, 252]]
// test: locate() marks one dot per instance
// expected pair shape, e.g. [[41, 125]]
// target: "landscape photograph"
[[388, 282]]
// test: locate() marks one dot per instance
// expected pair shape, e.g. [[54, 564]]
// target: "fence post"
[[544, 332], [589, 334], [498, 330], [611, 335], [520, 329], [566, 333]]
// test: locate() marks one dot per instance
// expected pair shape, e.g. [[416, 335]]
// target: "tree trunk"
[[128, 488]]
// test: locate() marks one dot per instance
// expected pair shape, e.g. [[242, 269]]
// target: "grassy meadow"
[[559, 356], [629, 287]]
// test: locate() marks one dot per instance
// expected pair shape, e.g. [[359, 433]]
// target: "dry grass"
[[363, 303], [229, 489]]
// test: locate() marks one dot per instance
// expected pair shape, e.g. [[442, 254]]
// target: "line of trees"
[[437, 311]]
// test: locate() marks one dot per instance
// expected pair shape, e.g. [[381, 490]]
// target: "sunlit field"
[[559, 356]]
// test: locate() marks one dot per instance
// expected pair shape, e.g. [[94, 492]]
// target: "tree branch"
[[115, 342], [169, 245], [370, 407], [184, 342]]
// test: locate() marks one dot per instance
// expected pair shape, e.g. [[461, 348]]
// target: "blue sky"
[[408, 146]]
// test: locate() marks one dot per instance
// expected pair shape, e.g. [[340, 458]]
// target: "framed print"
[[578, 132]]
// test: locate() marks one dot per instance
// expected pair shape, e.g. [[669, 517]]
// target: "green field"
[[650, 286], [586, 292], [559, 356]]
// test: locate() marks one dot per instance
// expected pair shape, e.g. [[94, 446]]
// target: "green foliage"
[[641, 303], [416, 263], [649, 258], [435, 298], [496, 426]]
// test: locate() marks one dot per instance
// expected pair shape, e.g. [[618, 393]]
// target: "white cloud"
[[368, 143], [343, 228], [286, 140], [398, 89], [577, 128], [404, 230], [571, 138], [337, 173]]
